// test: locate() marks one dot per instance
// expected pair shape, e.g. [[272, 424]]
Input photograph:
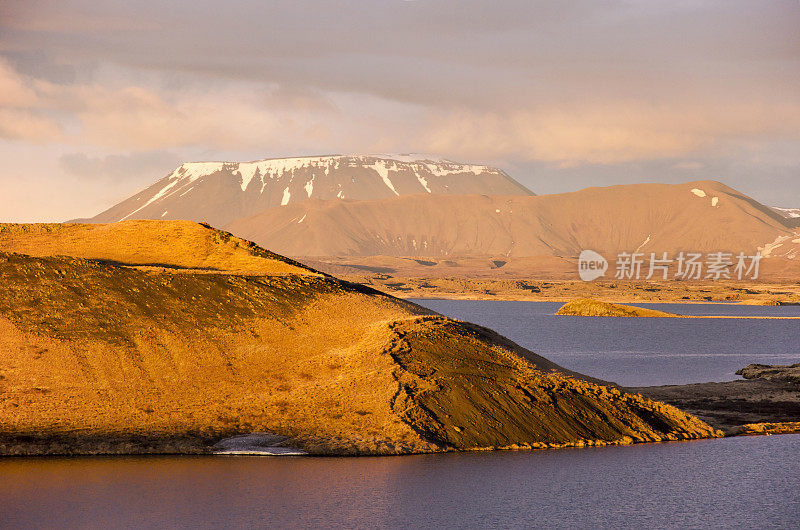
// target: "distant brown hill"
[[120, 354], [703, 216], [219, 192], [177, 244]]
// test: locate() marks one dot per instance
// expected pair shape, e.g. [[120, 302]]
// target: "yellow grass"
[[181, 244]]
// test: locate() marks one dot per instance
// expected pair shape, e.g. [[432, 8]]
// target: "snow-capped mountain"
[[219, 192]]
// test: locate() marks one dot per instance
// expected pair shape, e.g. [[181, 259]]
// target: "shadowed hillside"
[[105, 357]]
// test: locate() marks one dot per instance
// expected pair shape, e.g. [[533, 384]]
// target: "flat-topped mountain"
[[704, 216], [219, 192], [119, 354]]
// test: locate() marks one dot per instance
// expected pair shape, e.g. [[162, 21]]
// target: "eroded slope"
[[462, 386]]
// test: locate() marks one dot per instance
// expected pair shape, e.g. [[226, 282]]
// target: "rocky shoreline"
[[767, 401]]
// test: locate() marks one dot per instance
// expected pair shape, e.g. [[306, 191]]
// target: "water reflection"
[[702, 483]]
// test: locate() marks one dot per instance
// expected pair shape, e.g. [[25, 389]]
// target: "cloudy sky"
[[100, 98]]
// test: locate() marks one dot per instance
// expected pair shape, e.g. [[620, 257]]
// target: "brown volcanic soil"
[[775, 373], [766, 402], [642, 217], [104, 357], [737, 407]]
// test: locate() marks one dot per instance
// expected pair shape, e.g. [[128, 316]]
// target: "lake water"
[[727, 483], [642, 351]]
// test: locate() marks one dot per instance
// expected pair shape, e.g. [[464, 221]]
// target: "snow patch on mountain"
[[247, 172], [791, 213], [422, 180], [154, 198], [702, 194], [382, 168], [192, 171], [409, 157], [645, 242], [768, 248], [442, 170], [274, 168]]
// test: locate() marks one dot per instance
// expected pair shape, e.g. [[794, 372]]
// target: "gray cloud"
[[563, 94], [774, 185], [441, 51], [143, 167], [36, 64]]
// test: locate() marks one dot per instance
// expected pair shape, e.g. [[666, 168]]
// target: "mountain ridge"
[[703, 216]]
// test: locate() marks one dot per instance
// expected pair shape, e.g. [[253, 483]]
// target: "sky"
[[100, 98]]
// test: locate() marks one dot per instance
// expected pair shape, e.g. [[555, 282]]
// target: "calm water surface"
[[730, 483], [642, 351]]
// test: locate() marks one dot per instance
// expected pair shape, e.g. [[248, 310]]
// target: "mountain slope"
[[107, 357], [698, 216], [219, 192]]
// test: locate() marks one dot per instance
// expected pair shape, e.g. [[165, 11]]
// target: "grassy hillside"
[[104, 357], [174, 244]]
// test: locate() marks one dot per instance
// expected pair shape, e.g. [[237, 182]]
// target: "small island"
[[587, 307]]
